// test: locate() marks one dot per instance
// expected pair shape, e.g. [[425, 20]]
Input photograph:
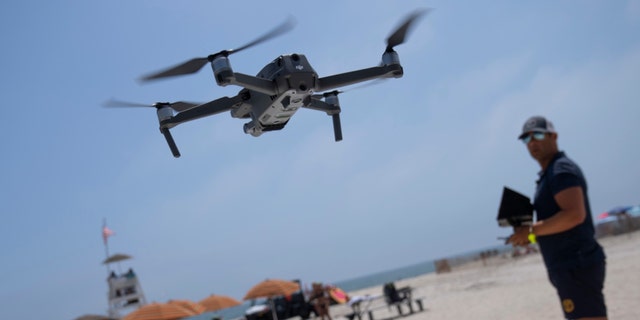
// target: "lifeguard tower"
[[125, 292]]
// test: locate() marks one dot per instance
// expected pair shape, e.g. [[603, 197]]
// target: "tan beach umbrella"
[[93, 317], [159, 311], [217, 302], [196, 308], [116, 258], [272, 288]]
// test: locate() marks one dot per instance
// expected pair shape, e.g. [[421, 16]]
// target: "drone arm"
[[207, 109], [320, 105], [254, 83], [203, 110], [353, 77]]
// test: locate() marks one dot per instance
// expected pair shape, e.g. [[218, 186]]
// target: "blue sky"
[[417, 177]]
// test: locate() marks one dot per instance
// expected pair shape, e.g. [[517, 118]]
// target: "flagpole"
[[106, 242]]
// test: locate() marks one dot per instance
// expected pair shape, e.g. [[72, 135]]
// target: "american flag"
[[106, 232]]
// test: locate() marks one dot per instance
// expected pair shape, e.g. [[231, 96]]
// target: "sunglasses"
[[538, 136]]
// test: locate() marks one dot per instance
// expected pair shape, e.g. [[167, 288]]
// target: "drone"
[[273, 96]]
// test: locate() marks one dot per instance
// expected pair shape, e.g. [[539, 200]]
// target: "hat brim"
[[524, 134]]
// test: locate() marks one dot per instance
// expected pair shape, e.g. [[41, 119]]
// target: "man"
[[320, 300], [564, 229]]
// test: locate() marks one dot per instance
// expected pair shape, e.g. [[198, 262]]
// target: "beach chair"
[[397, 297]]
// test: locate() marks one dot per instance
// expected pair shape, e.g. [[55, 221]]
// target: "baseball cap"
[[536, 124]]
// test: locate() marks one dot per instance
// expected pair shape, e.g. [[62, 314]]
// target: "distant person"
[[563, 229], [130, 274], [320, 300]]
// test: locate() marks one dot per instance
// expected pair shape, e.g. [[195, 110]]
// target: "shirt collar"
[[541, 173]]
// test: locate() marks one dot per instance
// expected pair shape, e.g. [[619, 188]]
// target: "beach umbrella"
[[272, 288], [338, 295], [605, 217], [618, 210], [217, 302], [192, 306], [93, 317], [159, 311], [116, 257]]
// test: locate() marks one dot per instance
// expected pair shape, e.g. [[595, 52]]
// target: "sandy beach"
[[514, 288]]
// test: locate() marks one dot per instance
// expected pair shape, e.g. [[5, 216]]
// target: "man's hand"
[[520, 236]]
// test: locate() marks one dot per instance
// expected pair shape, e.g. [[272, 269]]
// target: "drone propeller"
[[398, 36], [178, 106], [195, 64]]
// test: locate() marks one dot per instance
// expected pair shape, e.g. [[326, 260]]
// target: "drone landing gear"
[[331, 106], [337, 128], [165, 112], [170, 142]]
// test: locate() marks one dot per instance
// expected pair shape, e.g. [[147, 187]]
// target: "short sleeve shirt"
[[576, 247]]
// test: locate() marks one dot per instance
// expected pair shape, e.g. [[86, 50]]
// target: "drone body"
[[295, 81], [277, 92]]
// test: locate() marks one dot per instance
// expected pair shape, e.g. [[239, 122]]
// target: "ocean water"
[[412, 271], [381, 278]]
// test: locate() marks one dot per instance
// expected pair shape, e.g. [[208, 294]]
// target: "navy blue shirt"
[[576, 247]]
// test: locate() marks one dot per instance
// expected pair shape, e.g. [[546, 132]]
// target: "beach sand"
[[513, 288]]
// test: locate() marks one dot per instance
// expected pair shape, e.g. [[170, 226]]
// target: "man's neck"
[[544, 162]]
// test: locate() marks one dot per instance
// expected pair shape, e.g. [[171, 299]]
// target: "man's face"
[[541, 146]]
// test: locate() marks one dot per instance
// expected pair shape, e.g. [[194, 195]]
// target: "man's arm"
[[572, 213]]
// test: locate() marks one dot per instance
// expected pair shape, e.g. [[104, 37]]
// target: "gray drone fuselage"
[[279, 90], [295, 80]]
